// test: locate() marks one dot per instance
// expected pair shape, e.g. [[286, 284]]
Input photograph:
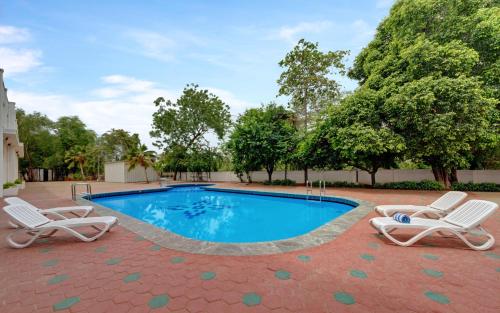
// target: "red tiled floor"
[[357, 272]]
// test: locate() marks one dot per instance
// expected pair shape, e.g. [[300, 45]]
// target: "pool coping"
[[170, 240]]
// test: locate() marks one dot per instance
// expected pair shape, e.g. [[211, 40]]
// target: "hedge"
[[475, 187], [281, 182], [404, 185]]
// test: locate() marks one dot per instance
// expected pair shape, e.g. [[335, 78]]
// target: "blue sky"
[[107, 61]]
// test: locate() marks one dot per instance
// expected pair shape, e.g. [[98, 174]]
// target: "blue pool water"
[[225, 216]]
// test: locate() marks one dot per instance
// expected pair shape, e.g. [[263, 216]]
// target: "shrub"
[[18, 182], [341, 184], [475, 187], [405, 185], [7, 185], [281, 182], [411, 185]]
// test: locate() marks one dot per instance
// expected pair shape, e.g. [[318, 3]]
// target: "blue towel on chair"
[[402, 218]]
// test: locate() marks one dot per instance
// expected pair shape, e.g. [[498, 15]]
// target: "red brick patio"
[[357, 272]]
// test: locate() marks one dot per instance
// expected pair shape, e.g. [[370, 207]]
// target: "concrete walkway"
[[357, 272]]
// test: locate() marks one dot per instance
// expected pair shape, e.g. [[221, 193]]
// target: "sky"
[[107, 61]]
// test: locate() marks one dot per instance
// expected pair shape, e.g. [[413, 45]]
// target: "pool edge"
[[170, 240]]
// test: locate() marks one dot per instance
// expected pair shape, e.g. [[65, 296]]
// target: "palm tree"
[[140, 156], [76, 156]]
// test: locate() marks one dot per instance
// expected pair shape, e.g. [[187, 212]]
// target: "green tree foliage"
[[308, 80], [116, 143], [76, 157], [261, 138], [186, 122], [203, 160], [35, 131], [435, 66], [140, 156]]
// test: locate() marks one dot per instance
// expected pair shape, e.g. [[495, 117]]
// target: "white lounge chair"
[[78, 211], [35, 225], [465, 219], [438, 208]]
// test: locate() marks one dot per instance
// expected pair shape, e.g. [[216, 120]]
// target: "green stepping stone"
[[177, 259], [251, 299], [434, 296], [283, 275], [45, 250], [155, 248], [304, 258], [132, 277], [358, 274], [433, 273], [344, 297], [158, 301], [498, 269], [57, 279], [208, 275], [50, 263], [101, 249], [66, 303], [373, 245], [139, 238], [367, 257], [431, 257], [492, 255], [113, 261], [43, 240]]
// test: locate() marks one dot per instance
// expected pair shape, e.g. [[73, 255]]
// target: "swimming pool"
[[226, 217]]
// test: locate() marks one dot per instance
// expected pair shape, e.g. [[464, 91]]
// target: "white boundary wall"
[[117, 172], [382, 176]]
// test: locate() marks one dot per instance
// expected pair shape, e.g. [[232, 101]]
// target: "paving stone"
[[58, 278], [113, 261], [66, 303], [208, 275], [433, 273], [437, 297], [158, 301], [358, 274], [132, 277], [344, 297], [282, 274], [251, 299]]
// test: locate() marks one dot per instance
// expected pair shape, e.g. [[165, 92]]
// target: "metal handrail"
[[322, 189], [88, 188]]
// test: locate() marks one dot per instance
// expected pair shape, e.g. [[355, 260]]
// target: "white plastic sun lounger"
[[438, 208], [465, 219], [78, 211], [35, 225]]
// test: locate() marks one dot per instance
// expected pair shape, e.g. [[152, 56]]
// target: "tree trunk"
[[286, 171], [269, 175], [146, 174], [81, 171], [441, 175], [372, 176], [175, 175], [453, 176], [249, 177]]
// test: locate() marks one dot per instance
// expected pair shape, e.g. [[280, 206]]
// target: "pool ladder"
[[87, 193], [322, 189]]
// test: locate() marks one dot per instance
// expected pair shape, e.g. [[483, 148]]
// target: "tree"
[[442, 120], [186, 122], [262, 138], [76, 157], [307, 80], [421, 55], [36, 133], [116, 143], [140, 156]]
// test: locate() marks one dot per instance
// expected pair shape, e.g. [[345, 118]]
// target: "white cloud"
[[123, 102], [382, 4], [152, 44], [289, 33], [236, 105], [19, 60], [362, 30], [11, 34]]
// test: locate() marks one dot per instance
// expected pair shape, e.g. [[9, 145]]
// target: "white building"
[[11, 149]]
